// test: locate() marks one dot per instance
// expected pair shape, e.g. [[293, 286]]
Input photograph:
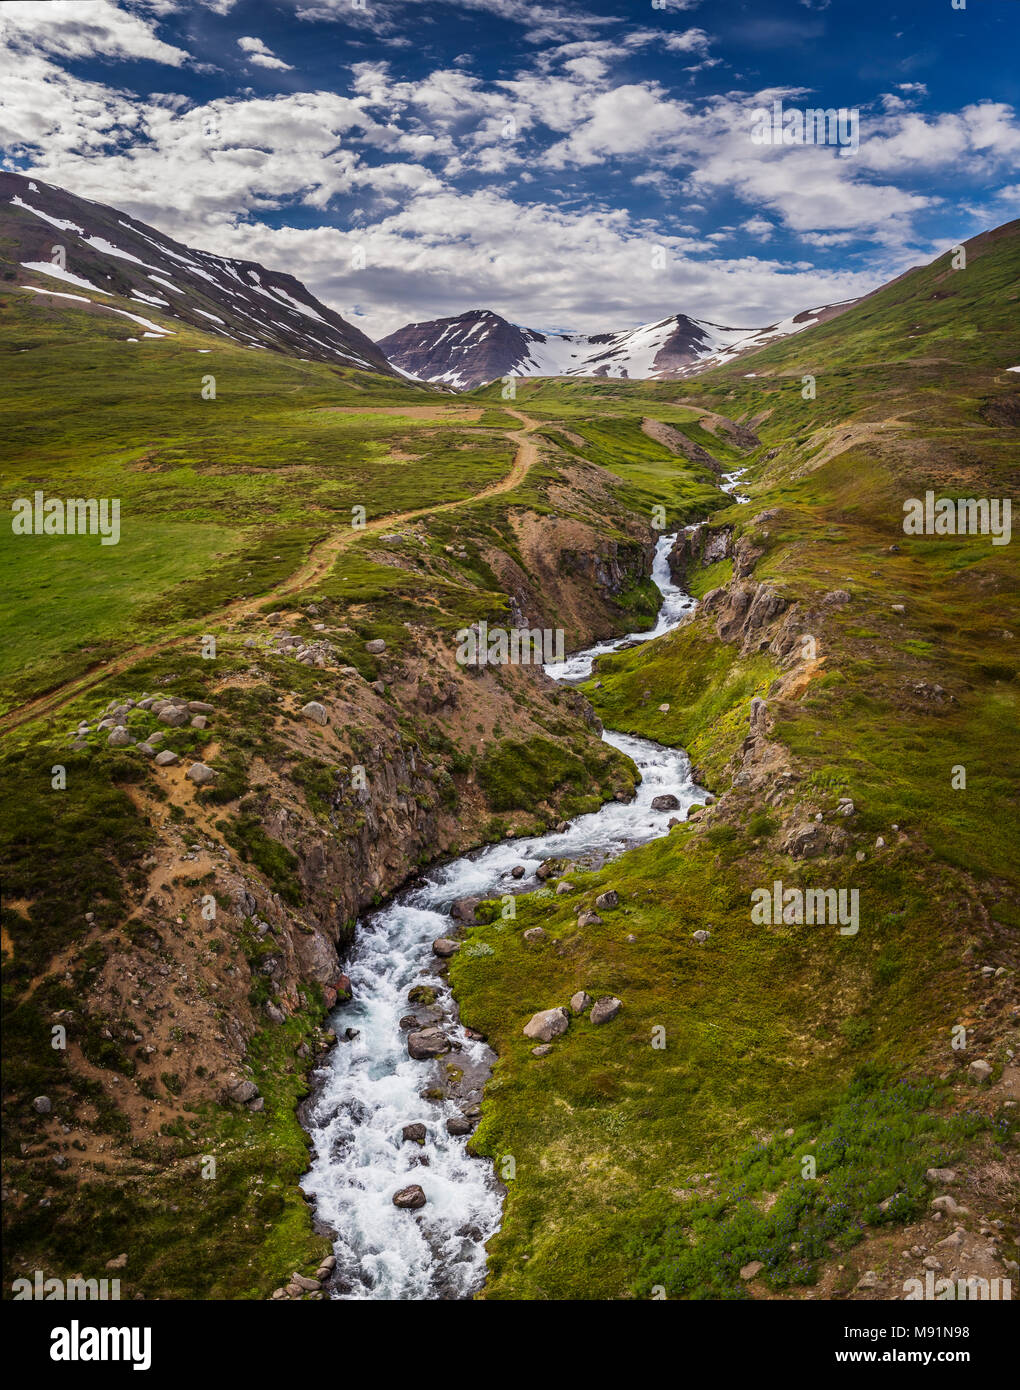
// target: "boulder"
[[518, 871], [534, 934], [547, 1024], [979, 1070], [316, 712], [940, 1175], [580, 1001], [119, 738], [409, 1198], [426, 1043], [749, 1271], [166, 758], [589, 919], [303, 1282], [413, 1134], [542, 1050], [376, 647], [444, 947], [243, 1091], [200, 774], [42, 1105], [605, 902], [666, 802], [199, 707], [605, 1009], [459, 1124], [174, 715], [199, 721], [701, 935], [463, 910], [549, 867]]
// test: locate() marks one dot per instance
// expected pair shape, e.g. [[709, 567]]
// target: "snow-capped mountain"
[[104, 253], [480, 346]]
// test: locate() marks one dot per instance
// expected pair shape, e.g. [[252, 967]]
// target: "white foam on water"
[[370, 1088]]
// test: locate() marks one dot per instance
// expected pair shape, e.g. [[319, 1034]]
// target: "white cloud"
[[69, 29], [262, 56]]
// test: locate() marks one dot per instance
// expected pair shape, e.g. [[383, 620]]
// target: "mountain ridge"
[[471, 349], [237, 299]]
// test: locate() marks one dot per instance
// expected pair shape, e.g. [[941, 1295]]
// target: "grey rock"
[[316, 712], [413, 1134], [174, 715], [580, 1001], [463, 910], [749, 1271], [949, 1204], [200, 774], [459, 1124], [666, 802], [120, 738], [605, 1009], [426, 1043], [547, 1024], [444, 947], [535, 934], [199, 707], [243, 1092], [542, 1050], [376, 646], [940, 1175], [589, 919], [979, 1070], [166, 758], [701, 935], [605, 902], [42, 1105], [200, 722]]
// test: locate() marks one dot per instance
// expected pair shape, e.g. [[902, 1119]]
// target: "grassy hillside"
[[658, 1154]]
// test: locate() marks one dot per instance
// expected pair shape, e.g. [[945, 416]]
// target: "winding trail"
[[316, 566]]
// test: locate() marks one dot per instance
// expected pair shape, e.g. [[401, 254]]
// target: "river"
[[370, 1088]]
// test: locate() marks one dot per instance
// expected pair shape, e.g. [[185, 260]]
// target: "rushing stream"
[[370, 1088]]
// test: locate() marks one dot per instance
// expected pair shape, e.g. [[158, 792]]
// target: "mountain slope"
[[62, 244], [480, 346]]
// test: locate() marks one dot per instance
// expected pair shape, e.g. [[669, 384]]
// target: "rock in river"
[[409, 1198], [428, 1042]]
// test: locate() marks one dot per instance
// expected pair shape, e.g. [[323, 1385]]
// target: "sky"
[[575, 165]]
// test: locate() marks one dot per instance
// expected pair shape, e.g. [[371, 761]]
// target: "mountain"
[[480, 346], [108, 254]]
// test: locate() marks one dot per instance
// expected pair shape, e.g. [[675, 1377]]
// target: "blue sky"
[[570, 165]]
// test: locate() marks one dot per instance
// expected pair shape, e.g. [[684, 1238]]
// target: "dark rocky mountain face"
[[477, 347], [462, 352], [71, 245]]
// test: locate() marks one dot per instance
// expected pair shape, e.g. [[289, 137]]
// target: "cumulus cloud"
[[68, 29], [262, 56]]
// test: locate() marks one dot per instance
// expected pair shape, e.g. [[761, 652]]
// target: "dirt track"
[[318, 564]]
